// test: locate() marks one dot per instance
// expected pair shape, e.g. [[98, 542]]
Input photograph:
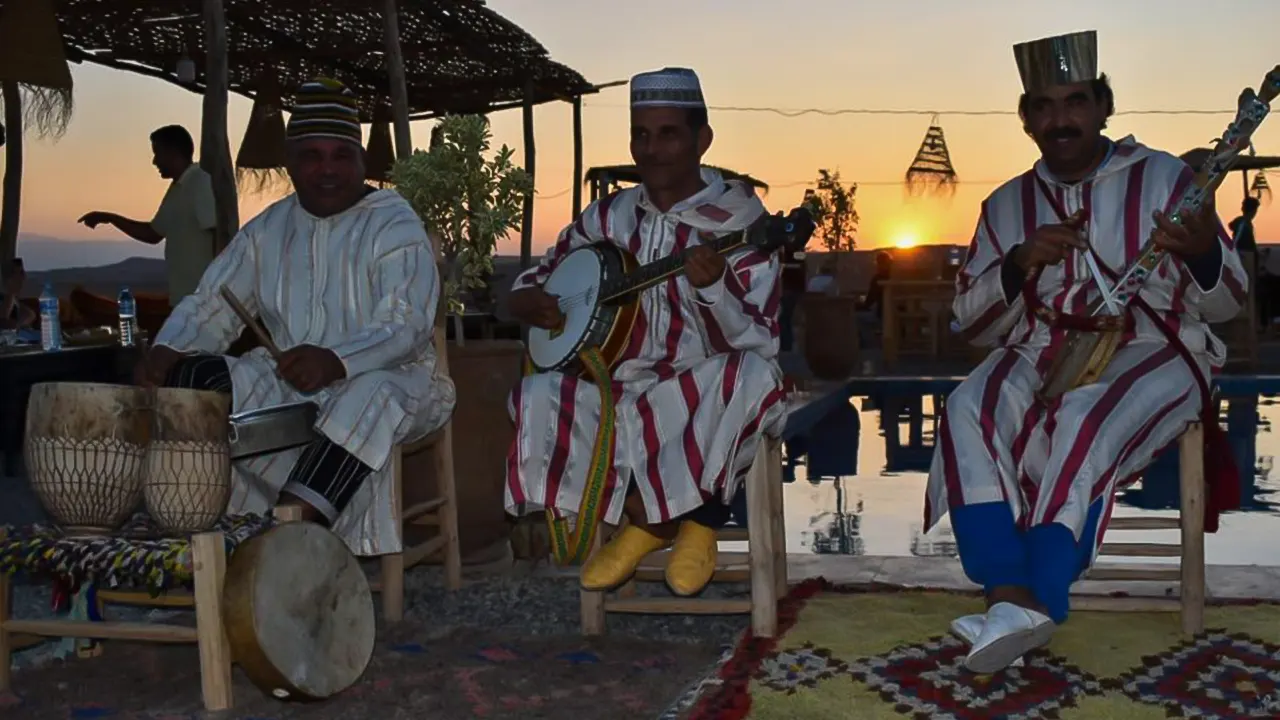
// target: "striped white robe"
[[996, 442], [363, 284], [699, 382]]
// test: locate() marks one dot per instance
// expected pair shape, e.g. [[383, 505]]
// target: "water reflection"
[[832, 508]]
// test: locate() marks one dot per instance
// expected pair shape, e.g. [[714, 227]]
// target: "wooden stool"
[[1190, 575], [764, 563], [441, 511], [209, 565]]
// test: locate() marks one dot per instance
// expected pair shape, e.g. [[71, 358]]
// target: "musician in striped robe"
[[1030, 486], [699, 382], [344, 279]]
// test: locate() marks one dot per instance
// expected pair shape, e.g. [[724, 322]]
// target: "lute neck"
[[658, 271]]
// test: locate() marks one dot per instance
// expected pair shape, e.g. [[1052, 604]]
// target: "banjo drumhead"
[[576, 281], [299, 612]]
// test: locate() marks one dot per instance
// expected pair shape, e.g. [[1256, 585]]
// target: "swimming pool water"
[[855, 489]]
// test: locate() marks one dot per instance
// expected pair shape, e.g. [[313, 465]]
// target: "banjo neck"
[[659, 271]]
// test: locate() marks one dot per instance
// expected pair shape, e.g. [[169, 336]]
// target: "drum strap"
[[572, 548]]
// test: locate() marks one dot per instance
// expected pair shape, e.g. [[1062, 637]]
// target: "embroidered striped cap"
[[325, 107], [668, 87]]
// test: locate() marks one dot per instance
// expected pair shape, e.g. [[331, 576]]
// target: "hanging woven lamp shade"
[[931, 172], [32, 55], [260, 162], [1261, 189]]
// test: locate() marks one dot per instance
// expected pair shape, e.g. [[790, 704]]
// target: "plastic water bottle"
[[128, 318], [50, 324]]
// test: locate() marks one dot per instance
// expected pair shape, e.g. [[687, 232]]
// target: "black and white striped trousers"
[[325, 477]]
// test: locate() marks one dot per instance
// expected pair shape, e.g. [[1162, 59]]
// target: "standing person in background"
[[870, 311], [793, 279], [186, 218], [1242, 227], [14, 315]]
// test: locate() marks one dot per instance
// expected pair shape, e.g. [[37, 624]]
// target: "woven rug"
[[886, 653]]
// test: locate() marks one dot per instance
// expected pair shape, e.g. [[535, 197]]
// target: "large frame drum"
[[85, 448], [299, 612]]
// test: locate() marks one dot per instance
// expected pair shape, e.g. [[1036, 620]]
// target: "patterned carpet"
[[884, 654]]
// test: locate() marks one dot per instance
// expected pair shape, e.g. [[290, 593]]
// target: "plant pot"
[[484, 372], [830, 335]]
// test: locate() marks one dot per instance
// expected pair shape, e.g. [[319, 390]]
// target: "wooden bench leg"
[[1192, 492], [778, 525], [209, 558], [392, 587], [760, 545], [591, 602], [447, 488], [6, 638]]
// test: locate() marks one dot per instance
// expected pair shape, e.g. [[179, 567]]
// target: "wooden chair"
[[209, 562], [441, 511], [1190, 575], [764, 563]]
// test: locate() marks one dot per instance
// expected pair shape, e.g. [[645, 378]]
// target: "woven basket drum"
[[188, 477], [85, 449]]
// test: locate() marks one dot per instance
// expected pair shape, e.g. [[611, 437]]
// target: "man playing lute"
[[698, 383], [1030, 485]]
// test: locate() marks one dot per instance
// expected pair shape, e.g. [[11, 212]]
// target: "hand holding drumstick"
[[306, 367]]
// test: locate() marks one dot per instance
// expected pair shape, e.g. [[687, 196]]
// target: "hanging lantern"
[[261, 159], [186, 70], [1261, 189], [931, 172]]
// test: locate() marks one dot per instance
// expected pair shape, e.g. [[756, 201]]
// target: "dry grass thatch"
[[460, 56]]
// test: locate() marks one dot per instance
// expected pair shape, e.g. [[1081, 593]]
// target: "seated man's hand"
[[309, 368], [703, 266], [534, 306], [154, 366]]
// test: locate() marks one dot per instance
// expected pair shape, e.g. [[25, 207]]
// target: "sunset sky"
[[826, 54]]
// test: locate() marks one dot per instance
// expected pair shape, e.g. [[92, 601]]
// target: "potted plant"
[[831, 318], [469, 197]]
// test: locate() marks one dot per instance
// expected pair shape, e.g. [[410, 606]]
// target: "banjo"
[[599, 286]]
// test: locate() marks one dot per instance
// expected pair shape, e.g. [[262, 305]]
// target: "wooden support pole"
[[526, 225], [395, 74], [215, 148], [577, 156], [12, 202]]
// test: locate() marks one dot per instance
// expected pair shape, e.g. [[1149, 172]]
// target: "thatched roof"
[[460, 56], [629, 174]]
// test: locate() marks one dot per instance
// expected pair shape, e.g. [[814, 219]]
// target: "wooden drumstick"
[[251, 322]]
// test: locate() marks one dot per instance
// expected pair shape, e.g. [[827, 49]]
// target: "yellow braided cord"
[[572, 548]]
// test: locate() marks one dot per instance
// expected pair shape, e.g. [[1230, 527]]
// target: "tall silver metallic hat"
[[1060, 60]]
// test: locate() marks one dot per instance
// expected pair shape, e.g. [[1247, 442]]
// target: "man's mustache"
[[1065, 133]]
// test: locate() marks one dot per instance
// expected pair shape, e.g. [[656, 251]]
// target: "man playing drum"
[[1030, 484], [345, 281], [698, 383]]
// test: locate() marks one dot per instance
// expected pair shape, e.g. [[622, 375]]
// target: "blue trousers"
[[1046, 558]]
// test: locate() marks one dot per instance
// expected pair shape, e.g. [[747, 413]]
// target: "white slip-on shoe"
[[969, 628], [1009, 633]]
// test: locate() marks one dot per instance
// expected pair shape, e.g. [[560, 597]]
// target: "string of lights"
[[833, 112], [811, 183]]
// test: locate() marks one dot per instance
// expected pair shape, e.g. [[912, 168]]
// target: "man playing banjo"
[[697, 383], [1029, 483], [344, 278]]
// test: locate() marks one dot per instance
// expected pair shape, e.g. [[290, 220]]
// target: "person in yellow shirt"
[[186, 218]]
